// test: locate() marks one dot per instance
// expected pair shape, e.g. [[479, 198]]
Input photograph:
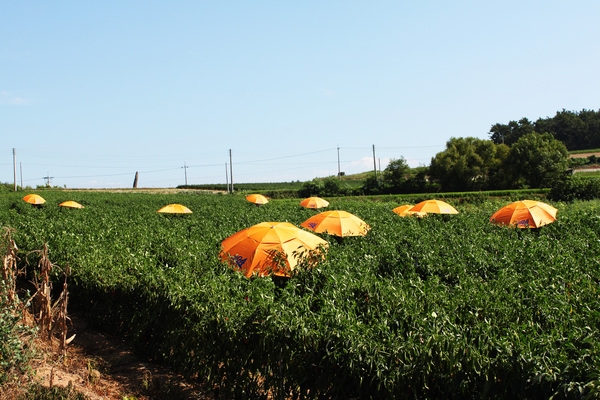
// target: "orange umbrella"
[[314, 202], [34, 199], [404, 211], [257, 199], [434, 207], [70, 204], [174, 209], [269, 247], [525, 214], [337, 223]]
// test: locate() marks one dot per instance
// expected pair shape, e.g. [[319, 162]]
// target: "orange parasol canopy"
[[269, 247], [434, 207], [35, 199], [70, 204], [314, 202], [404, 211], [525, 214], [174, 209], [257, 198], [337, 223]]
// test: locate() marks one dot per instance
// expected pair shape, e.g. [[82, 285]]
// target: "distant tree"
[[567, 127], [395, 175], [591, 119], [465, 164], [509, 134], [577, 130], [418, 181], [323, 187], [311, 188], [569, 188], [332, 187], [371, 185], [536, 160], [498, 176]]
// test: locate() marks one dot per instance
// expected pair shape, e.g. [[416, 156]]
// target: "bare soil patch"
[[103, 368]]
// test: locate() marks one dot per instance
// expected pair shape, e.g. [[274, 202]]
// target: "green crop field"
[[589, 175], [438, 307]]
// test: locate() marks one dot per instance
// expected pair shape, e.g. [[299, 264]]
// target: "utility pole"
[[185, 167], [231, 170], [374, 163], [21, 167], [48, 177], [339, 171], [15, 167], [226, 178]]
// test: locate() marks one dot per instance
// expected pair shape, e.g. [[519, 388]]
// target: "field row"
[[443, 306]]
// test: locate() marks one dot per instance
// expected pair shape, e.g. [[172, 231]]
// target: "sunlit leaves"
[[443, 305]]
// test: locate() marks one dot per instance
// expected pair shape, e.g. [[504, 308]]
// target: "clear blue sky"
[[93, 91]]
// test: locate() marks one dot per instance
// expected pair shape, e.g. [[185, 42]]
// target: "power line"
[[185, 167], [47, 178], [272, 165], [412, 147], [285, 157]]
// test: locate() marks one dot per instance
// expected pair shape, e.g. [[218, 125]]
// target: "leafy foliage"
[[581, 161], [537, 160], [571, 188], [396, 174], [511, 132], [14, 351], [469, 164], [324, 188], [438, 307], [576, 130]]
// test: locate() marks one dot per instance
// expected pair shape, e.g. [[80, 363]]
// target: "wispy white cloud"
[[328, 92], [366, 164], [9, 98], [413, 163], [192, 54]]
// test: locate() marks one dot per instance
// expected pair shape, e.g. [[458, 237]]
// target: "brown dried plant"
[[10, 271], [52, 318]]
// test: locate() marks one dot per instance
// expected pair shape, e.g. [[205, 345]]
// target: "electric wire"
[[239, 160]]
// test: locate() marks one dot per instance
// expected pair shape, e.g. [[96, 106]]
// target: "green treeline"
[[467, 164], [576, 130], [518, 155]]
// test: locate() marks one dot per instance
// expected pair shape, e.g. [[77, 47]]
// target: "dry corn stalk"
[[9, 264], [43, 295], [51, 318], [60, 317]]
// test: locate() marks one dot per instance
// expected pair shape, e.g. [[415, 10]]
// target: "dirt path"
[[589, 169], [584, 155], [102, 368]]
